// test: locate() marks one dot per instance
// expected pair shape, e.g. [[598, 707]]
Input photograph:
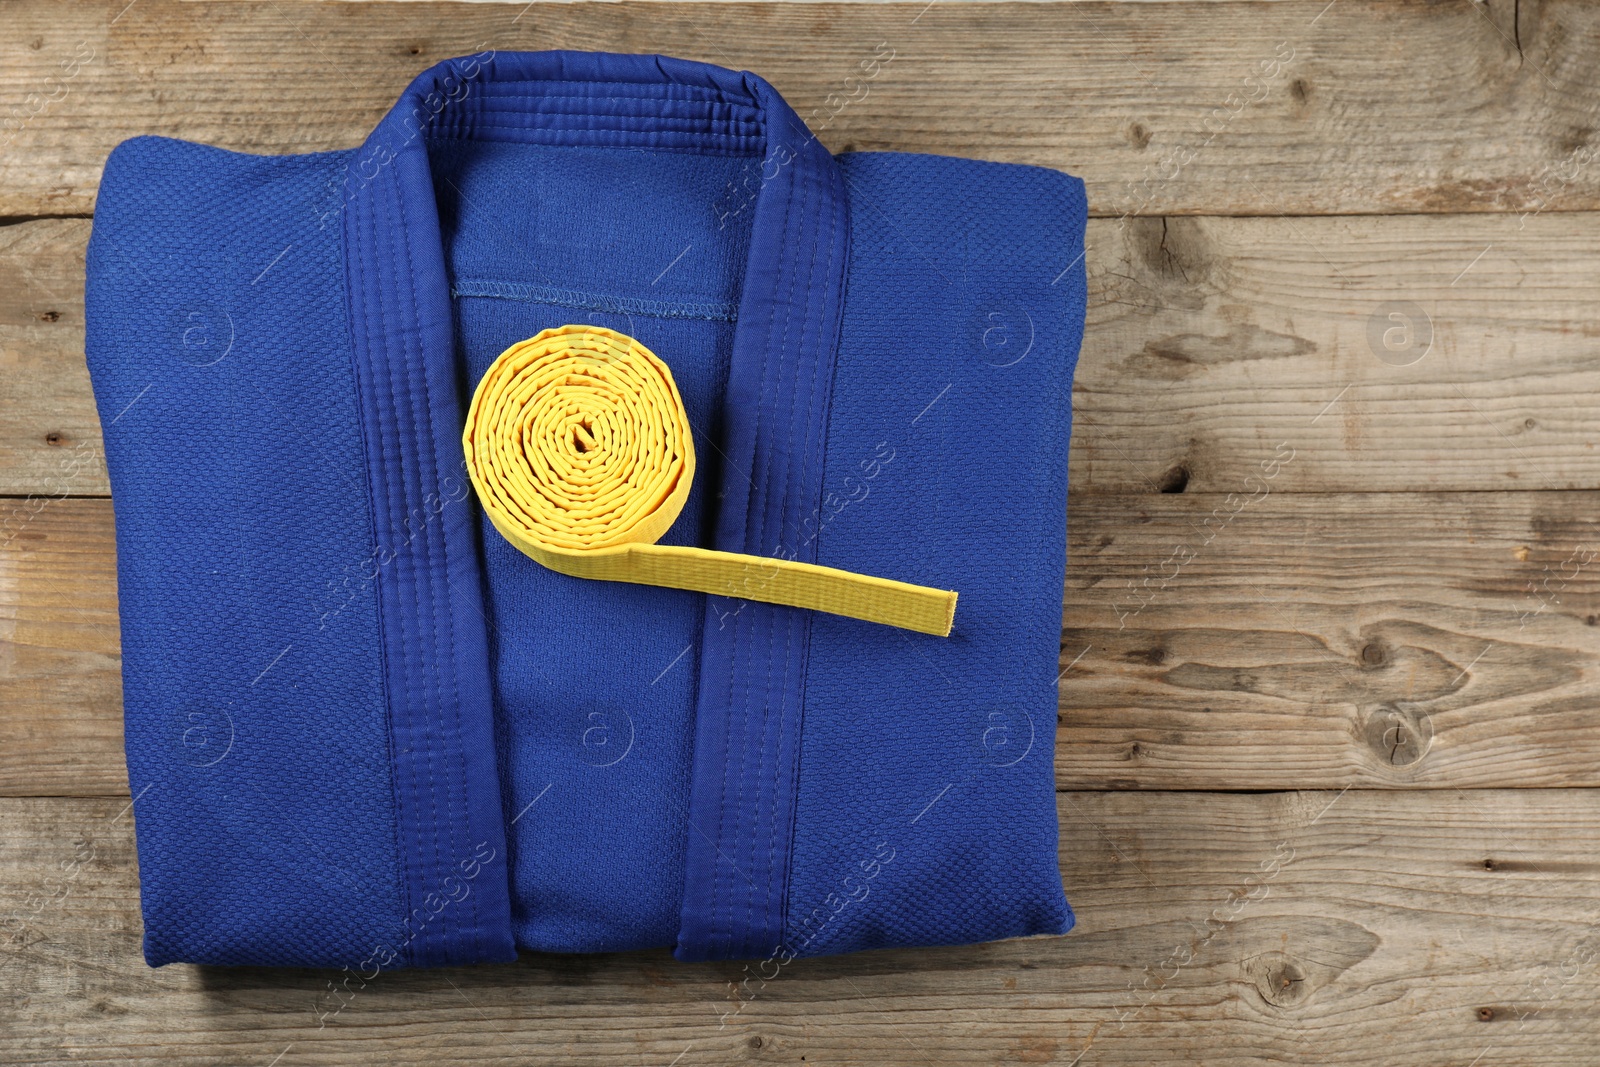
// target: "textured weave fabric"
[[926, 811], [364, 730], [257, 736]]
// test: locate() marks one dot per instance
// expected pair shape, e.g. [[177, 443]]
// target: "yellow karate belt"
[[579, 446]]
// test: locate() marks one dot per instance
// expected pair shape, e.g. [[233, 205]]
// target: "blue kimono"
[[365, 731]]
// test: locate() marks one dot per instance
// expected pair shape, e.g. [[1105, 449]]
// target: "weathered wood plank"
[[1272, 641], [1388, 354], [1287, 641], [1225, 929], [1210, 343], [1296, 107], [49, 432], [60, 656]]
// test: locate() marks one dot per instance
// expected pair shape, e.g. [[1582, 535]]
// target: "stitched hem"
[[715, 311]]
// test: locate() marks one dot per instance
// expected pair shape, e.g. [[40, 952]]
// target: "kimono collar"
[[793, 294]]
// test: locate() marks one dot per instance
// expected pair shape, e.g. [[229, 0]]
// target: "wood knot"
[[1486, 1015], [1373, 654], [50, 316], [1398, 736], [1281, 981], [1490, 865], [1155, 656], [1175, 480], [54, 438]]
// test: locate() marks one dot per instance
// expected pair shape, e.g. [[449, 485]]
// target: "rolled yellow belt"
[[579, 446]]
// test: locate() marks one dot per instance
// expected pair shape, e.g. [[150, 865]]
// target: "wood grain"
[[1296, 107], [1272, 928], [60, 661], [1210, 343], [1276, 642], [1389, 354], [49, 432], [1271, 641]]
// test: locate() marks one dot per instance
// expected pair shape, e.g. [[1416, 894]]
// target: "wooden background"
[[1329, 739]]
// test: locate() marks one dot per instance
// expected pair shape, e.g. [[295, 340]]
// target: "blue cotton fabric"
[[364, 731], [257, 733], [926, 808]]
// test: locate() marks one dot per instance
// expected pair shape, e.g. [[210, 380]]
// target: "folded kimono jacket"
[[365, 730]]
